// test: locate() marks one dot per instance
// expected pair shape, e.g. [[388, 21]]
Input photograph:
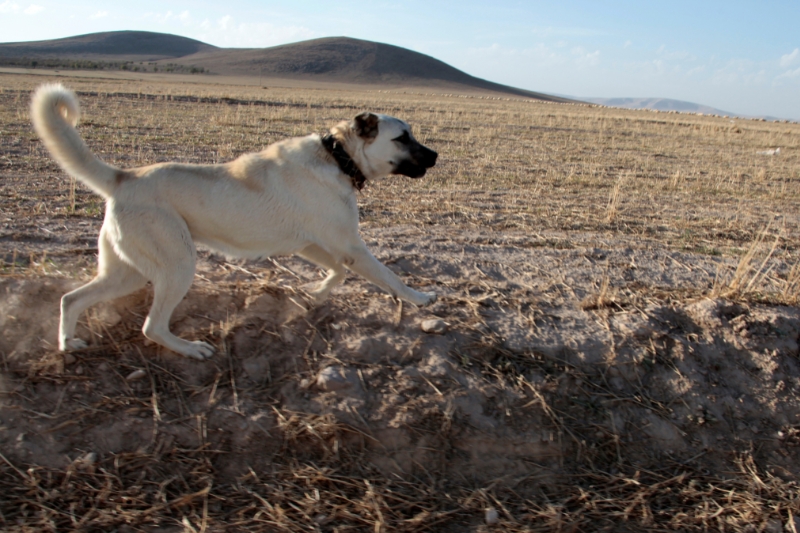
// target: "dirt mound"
[[534, 381]]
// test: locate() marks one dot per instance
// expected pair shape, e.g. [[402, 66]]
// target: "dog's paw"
[[75, 343], [198, 350], [316, 297], [426, 298]]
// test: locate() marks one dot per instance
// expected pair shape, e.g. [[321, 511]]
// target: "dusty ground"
[[619, 353]]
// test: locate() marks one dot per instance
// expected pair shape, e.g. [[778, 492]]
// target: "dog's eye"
[[405, 138]]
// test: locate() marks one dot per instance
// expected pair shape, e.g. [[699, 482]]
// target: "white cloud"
[[565, 31], [538, 55], [228, 32], [170, 18], [528, 66], [584, 58], [679, 55], [740, 71], [33, 9], [225, 22], [99, 15], [790, 58], [8, 7], [165, 18], [696, 70], [789, 74]]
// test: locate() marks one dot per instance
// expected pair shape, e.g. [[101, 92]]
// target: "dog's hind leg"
[[158, 243], [168, 291], [114, 279], [336, 271]]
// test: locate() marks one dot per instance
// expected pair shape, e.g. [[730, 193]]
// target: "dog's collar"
[[345, 162]]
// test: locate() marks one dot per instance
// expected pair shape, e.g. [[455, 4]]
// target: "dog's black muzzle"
[[420, 159]]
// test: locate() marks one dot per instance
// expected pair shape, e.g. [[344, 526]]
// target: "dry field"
[[620, 290]]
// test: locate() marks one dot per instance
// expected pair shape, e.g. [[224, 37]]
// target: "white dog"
[[297, 196]]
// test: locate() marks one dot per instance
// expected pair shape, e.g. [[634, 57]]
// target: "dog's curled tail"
[[55, 112]]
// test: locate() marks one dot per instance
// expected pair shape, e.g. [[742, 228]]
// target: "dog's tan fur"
[[290, 198]]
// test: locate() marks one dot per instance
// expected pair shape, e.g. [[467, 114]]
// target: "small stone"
[[85, 462], [135, 375], [336, 378], [69, 359], [491, 517], [434, 325]]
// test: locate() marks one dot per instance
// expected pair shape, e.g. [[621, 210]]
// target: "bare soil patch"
[[618, 345]]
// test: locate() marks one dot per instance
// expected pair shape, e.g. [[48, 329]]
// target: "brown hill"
[[347, 60], [108, 46], [331, 59]]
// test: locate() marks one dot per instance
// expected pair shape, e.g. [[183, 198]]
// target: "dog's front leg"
[[364, 263]]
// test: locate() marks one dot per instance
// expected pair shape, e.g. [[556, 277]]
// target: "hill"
[[348, 60], [331, 59], [108, 46]]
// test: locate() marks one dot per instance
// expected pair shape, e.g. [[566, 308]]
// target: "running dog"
[[297, 196]]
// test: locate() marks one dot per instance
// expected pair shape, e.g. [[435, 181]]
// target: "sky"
[[742, 57]]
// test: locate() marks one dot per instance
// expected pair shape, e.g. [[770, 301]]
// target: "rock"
[[337, 378], [434, 325], [69, 359], [86, 462], [136, 375], [491, 517]]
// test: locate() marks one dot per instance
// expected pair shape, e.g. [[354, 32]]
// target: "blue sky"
[[741, 57]]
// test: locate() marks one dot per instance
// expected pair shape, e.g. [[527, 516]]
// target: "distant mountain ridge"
[[667, 104], [660, 104], [330, 59]]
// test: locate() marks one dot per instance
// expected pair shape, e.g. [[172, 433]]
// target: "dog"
[[297, 196]]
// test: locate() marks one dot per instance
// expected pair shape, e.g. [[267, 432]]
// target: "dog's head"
[[382, 145]]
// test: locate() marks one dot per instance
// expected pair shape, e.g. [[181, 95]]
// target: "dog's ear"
[[367, 125]]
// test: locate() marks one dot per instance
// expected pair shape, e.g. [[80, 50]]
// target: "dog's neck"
[[345, 162]]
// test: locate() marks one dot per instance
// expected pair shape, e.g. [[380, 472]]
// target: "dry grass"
[[685, 182], [695, 183], [141, 492]]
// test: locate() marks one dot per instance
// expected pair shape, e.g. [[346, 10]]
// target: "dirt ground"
[[576, 379]]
